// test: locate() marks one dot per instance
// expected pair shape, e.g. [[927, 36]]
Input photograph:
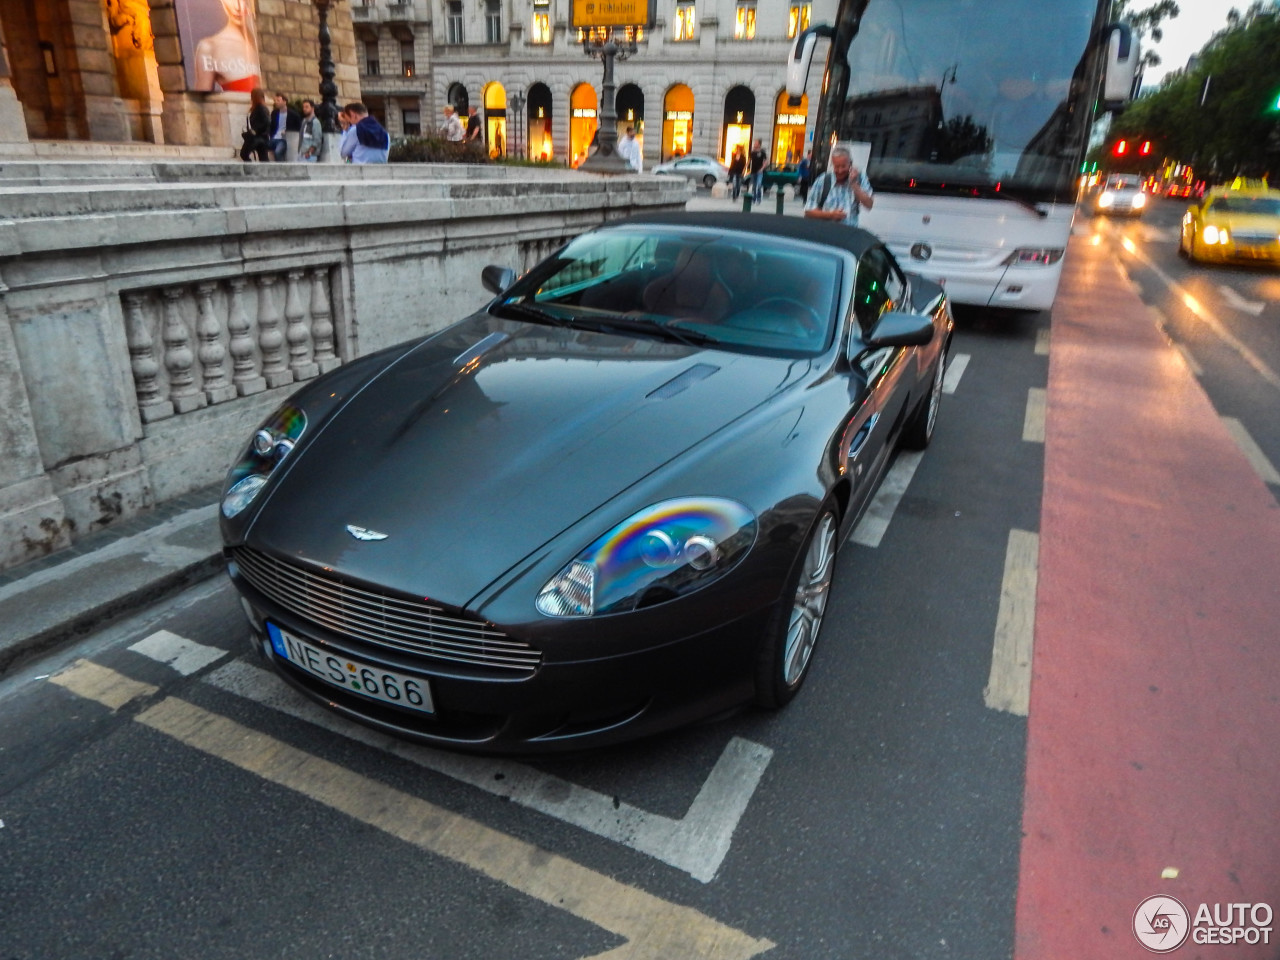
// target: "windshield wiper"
[[662, 331], [527, 311]]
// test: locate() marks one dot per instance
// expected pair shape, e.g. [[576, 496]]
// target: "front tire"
[[793, 629]]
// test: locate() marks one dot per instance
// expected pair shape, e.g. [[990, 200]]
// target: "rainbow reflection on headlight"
[[663, 552]]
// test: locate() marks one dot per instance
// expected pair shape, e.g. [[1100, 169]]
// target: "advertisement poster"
[[219, 44]]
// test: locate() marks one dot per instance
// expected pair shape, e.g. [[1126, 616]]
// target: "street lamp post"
[[606, 159], [517, 110], [328, 109]]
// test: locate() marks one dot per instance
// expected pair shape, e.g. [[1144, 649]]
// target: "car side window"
[[879, 286]]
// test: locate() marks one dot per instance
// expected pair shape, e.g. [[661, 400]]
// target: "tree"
[[1217, 115], [1146, 23]]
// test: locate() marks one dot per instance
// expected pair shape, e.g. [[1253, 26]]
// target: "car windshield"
[[749, 293], [1122, 183], [1265, 206]]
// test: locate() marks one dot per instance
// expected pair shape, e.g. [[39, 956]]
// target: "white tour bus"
[[971, 118]]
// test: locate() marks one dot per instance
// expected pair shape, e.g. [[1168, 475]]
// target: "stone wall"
[[287, 35], [152, 314]]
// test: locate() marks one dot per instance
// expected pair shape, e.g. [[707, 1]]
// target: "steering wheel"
[[792, 309]]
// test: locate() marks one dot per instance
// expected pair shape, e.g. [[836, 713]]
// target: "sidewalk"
[[107, 575]]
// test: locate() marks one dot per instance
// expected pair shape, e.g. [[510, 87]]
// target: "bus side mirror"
[[801, 59], [1122, 66]]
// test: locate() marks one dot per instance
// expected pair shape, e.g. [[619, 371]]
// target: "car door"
[[885, 372]]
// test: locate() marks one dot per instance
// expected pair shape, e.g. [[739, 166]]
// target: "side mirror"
[[898, 329], [1123, 61], [496, 279], [801, 58]]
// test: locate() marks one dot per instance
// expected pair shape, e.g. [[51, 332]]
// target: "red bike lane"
[[1153, 754]]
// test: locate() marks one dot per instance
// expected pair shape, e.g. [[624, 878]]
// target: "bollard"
[[746, 202], [778, 191]]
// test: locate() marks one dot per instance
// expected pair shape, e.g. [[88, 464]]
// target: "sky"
[[1186, 33]]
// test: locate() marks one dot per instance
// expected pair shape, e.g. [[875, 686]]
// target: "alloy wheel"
[[812, 591]]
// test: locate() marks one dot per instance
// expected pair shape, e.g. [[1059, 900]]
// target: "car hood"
[[1248, 222], [482, 444]]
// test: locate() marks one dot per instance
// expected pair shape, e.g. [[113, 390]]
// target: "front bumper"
[[561, 705]]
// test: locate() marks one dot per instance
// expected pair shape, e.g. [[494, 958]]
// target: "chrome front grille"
[[407, 626]]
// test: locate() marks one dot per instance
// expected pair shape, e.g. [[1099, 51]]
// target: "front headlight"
[[270, 444], [1106, 200], [1140, 200], [1213, 235], [665, 551]]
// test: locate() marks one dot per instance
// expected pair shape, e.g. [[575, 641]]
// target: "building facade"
[[157, 71], [707, 77]]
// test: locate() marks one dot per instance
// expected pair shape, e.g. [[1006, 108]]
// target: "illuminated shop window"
[[798, 18], [540, 30], [685, 21], [744, 24]]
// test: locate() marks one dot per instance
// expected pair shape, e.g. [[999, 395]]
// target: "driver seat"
[[693, 289]]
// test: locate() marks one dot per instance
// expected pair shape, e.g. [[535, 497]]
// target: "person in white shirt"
[[452, 129], [629, 150]]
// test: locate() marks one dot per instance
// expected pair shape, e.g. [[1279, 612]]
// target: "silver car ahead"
[[704, 170], [1121, 193]]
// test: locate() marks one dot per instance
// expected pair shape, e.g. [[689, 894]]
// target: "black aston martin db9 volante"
[[606, 504]]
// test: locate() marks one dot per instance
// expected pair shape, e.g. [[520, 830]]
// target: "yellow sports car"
[[1239, 225]]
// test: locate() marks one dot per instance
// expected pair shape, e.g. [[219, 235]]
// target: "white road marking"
[[1253, 307], [697, 843], [1252, 452], [1162, 324], [875, 522], [1033, 423], [955, 370], [1211, 322], [1009, 683], [654, 929], [1043, 336], [183, 655], [1154, 234]]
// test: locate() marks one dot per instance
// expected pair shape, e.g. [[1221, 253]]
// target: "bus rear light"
[[1042, 256]]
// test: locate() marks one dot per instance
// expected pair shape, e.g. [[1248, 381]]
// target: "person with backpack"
[[842, 192], [366, 141]]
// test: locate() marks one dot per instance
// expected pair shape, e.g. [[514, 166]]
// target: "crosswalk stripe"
[[875, 522], [654, 929], [183, 655], [1009, 682], [1042, 341], [1033, 423], [955, 370]]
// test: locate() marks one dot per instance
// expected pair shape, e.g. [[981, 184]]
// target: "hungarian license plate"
[[374, 682]]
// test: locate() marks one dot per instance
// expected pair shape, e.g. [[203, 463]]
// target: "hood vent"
[[683, 381]]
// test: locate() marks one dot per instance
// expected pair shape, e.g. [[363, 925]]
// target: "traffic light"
[[1145, 149], [1121, 148]]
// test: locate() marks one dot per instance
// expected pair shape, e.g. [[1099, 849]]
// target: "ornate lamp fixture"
[[603, 45]]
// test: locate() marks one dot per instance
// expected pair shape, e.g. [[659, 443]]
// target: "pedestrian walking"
[[451, 130], [629, 150], [366, 141], [257, 128], [310, 134], [759, 162], [737, 169], [804, 174]]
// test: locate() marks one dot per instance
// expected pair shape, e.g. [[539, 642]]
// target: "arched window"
[[677, 122], [541, 146], [495, 117], [789, 126], [582, 122], [739, 120]]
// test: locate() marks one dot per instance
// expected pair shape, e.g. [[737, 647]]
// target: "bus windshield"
[[982, 97]]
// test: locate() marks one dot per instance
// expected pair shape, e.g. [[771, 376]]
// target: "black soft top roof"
[[852, 239]]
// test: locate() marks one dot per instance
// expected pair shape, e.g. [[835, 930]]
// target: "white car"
[[705, 170], [1121, 193]]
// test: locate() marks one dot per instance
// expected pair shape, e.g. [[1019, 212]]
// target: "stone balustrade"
[[152, 314]]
